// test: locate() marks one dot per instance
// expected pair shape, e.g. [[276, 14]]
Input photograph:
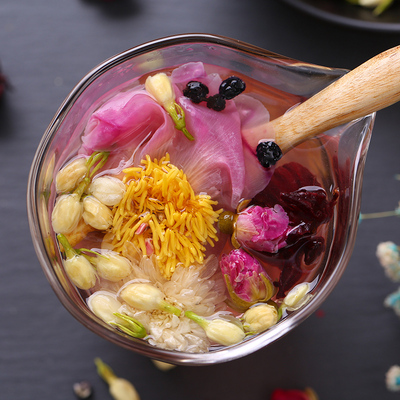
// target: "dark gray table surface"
[[343, 351]]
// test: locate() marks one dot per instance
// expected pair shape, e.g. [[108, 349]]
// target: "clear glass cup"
[[345, 156]]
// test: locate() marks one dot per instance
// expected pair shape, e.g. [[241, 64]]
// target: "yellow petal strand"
[[180, 223]]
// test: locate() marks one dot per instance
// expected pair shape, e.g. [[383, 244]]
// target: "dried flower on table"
[[389, 257], [393, 378], [83, 390], [292, 394], [120, 389], [393, 301]]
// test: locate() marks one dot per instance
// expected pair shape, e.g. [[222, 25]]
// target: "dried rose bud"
[[262, 228], [246, 280]]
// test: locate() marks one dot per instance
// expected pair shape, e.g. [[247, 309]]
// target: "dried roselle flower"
[[246, 280], [310, 206]]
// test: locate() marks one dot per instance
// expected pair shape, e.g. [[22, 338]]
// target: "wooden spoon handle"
[[370, 87]]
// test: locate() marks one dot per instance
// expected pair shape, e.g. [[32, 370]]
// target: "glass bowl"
[[343, 154]]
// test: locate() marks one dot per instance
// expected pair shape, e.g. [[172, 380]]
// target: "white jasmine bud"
[[80, 271], [77, 267], [96, 214], [109, 190], [220, 331], [224, 332], [112, 266], [71, 175], [146, 297], [120, 389], [104, 305], [159, 86], [297, 297], [66, 213], [260, 318]]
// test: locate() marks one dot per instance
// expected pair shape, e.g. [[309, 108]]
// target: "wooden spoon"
[[368, 88]]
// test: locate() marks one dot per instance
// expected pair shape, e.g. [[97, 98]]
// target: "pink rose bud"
[[262, 228], [246, 280]]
